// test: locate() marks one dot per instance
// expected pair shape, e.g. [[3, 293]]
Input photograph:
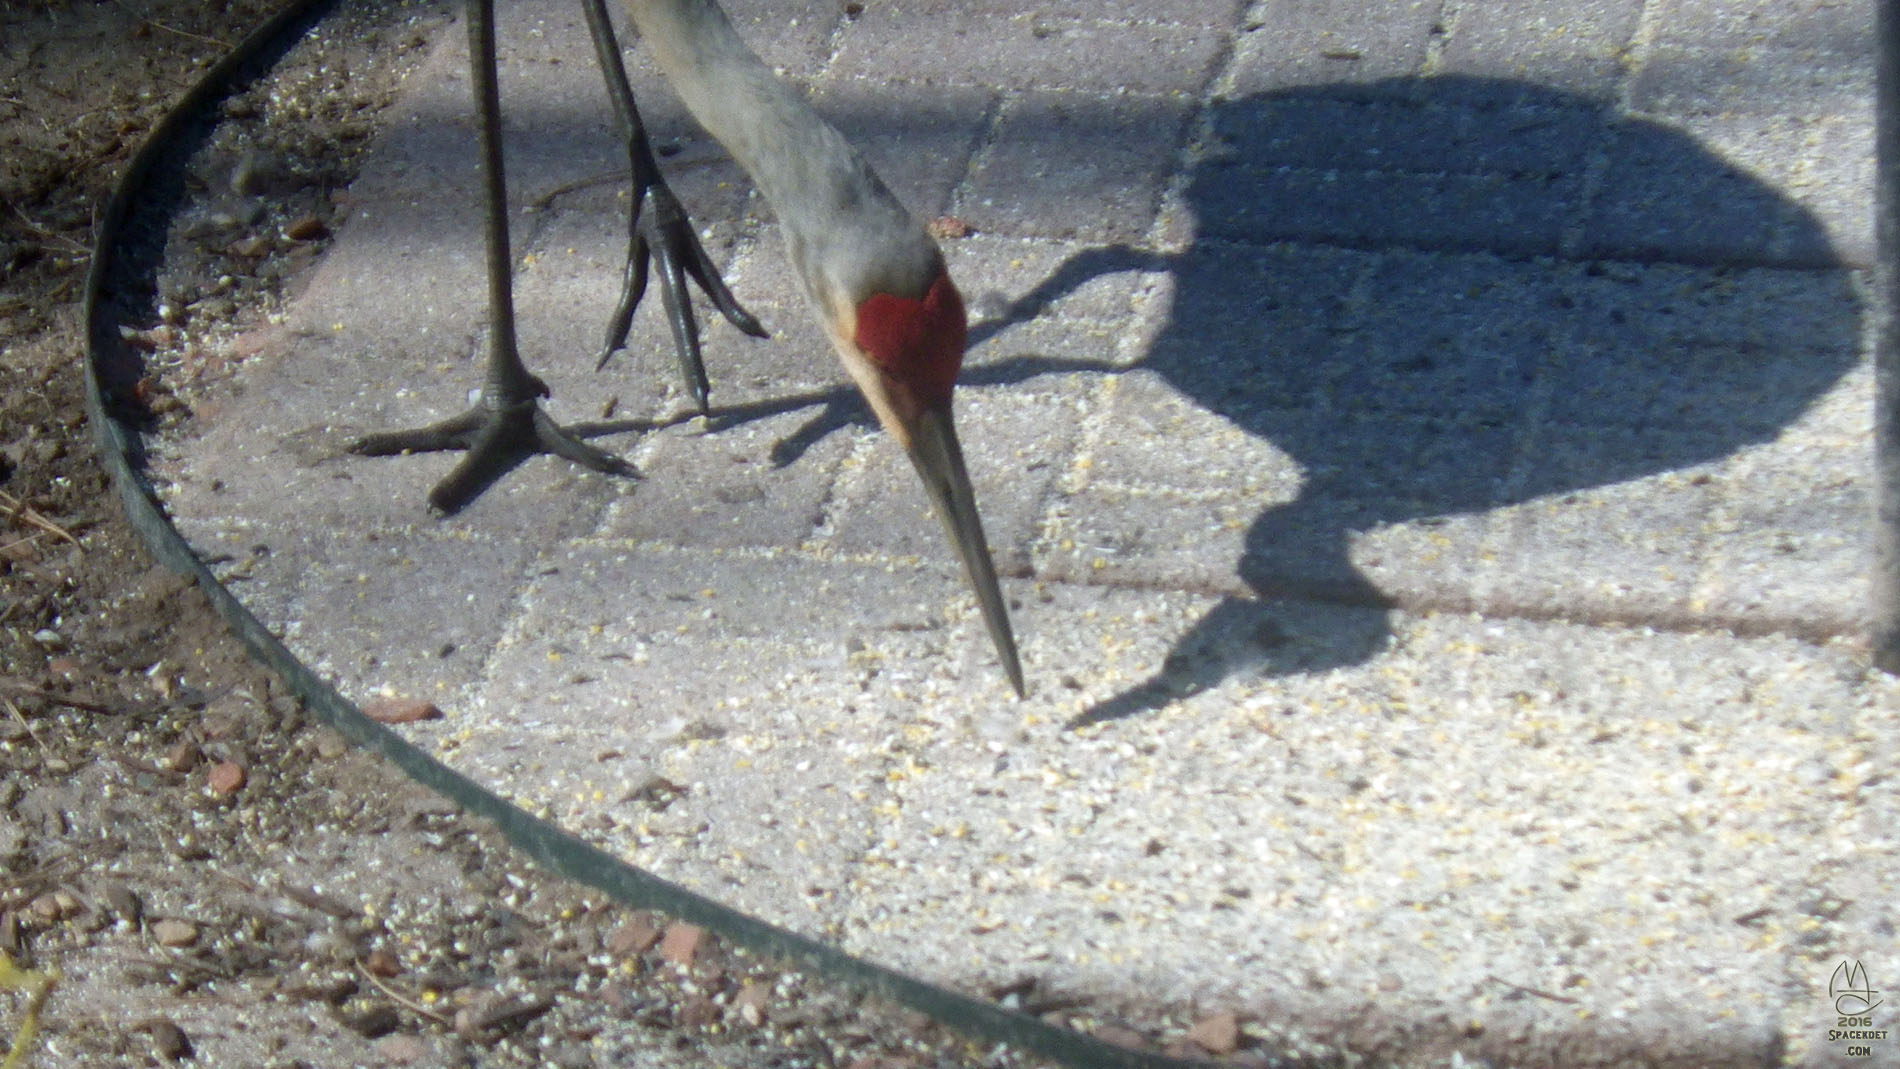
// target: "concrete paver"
[[1428, 445]]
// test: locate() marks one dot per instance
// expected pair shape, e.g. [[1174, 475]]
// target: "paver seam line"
[[1045, 567]]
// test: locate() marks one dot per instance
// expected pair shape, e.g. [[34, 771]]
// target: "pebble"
[[172, 932], [634, 937], [124, 901], [182, 757], [1218, 1034], [382, 963], [169, 1041], [331, 745], [949, 226], [375, 1022], [251, 248], [402, 1049], [682, 943], [697, 1011], [750, 1002], [53, 906], [401, 710], [306, 228], [225, 777]]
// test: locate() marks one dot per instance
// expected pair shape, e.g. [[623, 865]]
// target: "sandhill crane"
[[874, 277]]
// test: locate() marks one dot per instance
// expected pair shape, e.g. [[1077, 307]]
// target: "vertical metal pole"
[[1886, 636]]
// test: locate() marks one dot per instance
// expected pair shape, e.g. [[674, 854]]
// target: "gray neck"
[[848, 235]]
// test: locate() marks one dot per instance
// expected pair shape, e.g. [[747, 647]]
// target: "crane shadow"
[[1446, 295]]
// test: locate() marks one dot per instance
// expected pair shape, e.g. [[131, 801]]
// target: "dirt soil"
[[214, 878]]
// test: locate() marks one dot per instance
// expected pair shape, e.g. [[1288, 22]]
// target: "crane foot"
[[660, 229], [663, 232], [496, 439]]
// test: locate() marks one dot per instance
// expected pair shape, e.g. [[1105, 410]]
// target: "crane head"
[[904, 353]]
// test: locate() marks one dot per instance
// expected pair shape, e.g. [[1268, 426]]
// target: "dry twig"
[[21, 511], [403, 1000]]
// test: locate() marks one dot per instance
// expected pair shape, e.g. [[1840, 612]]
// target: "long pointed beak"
[[938, 456]]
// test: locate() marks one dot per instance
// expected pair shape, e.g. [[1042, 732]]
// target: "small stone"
[[402, 1049], [250, 248], [682, 943], [172, 932], [636, 936], [331, 745], [48, 907], [401, 710], [123, 901], [1218, 1034], [182, 757], [225, 778], [949, 226], [306, 228], [375, 1022], [698, 1011], [188, 848], [169, 1041], [750, 1002], [381, 963]]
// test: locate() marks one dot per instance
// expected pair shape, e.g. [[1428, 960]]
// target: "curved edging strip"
[[115, 276]]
